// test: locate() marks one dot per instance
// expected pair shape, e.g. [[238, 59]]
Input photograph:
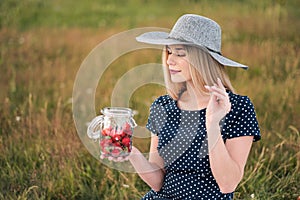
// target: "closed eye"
[[179, 54]]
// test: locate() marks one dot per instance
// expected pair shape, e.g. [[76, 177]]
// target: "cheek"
[[187, 75], [186, 70]]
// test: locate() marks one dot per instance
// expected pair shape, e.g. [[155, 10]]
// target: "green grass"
[[42, 44]]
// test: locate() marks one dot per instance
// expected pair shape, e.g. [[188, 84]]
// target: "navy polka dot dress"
[[183, 146]]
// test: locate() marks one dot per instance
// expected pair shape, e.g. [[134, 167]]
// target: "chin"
[[178, 79]]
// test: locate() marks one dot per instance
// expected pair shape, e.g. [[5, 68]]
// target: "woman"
[[202, 131]]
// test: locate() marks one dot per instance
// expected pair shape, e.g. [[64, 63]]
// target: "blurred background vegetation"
[[42, 45]]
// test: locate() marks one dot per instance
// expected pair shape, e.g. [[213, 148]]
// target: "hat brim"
[[162, 38], [159, 38], [226, 61]]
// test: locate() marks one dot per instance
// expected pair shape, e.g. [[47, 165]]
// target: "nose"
[[170, 60]]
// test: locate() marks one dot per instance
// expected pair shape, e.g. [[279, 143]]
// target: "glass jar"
[[114, 129]]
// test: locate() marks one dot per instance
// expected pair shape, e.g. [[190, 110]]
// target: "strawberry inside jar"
[[116, 142], [116, 132]]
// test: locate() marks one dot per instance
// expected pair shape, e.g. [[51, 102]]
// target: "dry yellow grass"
[[41, 155]]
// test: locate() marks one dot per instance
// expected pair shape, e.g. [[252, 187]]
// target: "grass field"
[[42, 45]]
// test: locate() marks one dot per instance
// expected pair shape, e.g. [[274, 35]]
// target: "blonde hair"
[[203, 68]]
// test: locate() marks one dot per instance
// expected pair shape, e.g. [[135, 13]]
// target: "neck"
[[193, 99]]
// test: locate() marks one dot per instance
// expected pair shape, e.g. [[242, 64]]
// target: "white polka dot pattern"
[[183, 146]]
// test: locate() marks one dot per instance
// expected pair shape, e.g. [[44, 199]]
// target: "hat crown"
[[198, 30]]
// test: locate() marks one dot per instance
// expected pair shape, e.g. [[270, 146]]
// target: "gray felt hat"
[[193, 30]]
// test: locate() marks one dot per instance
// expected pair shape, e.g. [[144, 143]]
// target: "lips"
[[173, 71]]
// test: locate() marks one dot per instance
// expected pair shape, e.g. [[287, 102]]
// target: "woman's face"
[[178, 63]]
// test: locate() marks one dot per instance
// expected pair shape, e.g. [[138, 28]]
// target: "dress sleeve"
[[241, 121], [157, 116]]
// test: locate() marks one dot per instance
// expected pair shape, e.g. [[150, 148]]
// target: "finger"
[[218, 97], [116, 159], [110, 158], [122, 159], [207, 87], [216, 93], [215, 88], [218, 90], [220, 84]]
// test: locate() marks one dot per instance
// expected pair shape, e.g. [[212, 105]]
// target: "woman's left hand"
[[218, 105]]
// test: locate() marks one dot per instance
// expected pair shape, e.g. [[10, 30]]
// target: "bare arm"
[[151, 171], [227, 161]]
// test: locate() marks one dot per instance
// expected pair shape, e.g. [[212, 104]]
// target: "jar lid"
[[117, 111]]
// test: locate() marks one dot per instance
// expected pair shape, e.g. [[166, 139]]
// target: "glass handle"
[[95, 127], [133, 123]]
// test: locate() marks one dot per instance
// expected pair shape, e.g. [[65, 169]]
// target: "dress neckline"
[[191, 111], [188, 111]]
